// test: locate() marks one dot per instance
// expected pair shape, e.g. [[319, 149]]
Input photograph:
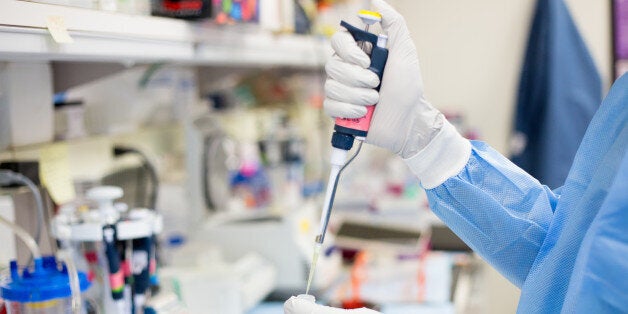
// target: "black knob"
[[342, 140]]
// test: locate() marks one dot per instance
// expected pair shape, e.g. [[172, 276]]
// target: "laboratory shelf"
[[100, 36], [264, 49], [31, 44]]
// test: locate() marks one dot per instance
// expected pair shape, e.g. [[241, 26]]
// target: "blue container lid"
[[45, 282]]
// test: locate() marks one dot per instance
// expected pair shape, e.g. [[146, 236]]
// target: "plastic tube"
[[24, 236], [146, 164], [18, 177], [75, 286]]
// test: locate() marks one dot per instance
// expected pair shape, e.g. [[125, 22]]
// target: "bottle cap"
[[45, 282]]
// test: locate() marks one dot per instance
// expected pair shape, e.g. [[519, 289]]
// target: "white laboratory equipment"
[[206, 282], [108, 224], [284, 240], [43, 287], [71, 225]]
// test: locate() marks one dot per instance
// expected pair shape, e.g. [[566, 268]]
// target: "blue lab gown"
[[559, 92], [567, 249]]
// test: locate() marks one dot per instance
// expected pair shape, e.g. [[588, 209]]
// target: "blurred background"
[[185, 142]]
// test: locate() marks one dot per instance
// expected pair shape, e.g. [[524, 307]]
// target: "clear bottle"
[[45, 289]]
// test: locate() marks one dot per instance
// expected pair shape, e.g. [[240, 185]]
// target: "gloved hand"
[[304, 304], [404, 122]]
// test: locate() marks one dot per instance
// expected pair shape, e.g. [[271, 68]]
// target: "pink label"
[[116, 281], [153, 266], [361, 124], [125, 266]]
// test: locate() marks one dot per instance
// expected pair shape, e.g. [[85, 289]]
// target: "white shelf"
[[112, 37], [265, 49], [17, 43]]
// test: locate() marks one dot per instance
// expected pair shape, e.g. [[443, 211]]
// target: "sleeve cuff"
[[444, 157]]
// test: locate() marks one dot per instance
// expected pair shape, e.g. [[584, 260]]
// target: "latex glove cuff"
[[443, 157]]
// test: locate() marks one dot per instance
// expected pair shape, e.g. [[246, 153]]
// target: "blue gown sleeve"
[[498, 209]]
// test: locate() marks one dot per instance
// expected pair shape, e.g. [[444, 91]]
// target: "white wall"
[[471, 53]]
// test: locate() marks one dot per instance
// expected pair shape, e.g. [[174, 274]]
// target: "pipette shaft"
[[348, 130]]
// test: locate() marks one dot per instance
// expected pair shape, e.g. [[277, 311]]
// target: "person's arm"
[[498, 209]]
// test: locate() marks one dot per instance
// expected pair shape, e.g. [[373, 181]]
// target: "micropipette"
[[347, 130]]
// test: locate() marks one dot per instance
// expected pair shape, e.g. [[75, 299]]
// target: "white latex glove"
[[305, 304], [404, 122]]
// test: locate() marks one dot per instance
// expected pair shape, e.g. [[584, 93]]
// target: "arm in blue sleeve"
[[498, 209]]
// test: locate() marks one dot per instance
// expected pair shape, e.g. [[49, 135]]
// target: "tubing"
[[24, 236], [146, 164], [18, 177], [75, 286]]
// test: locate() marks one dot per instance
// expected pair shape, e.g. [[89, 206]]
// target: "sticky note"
[[54, 172], [58, 30]]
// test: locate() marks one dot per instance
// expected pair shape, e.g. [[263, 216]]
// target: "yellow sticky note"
[[58, 30], [54, 172]]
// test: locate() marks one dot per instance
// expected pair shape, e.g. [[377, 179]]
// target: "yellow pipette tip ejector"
[[370, 17]]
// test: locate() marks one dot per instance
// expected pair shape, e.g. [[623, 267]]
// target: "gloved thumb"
[[392, 22]]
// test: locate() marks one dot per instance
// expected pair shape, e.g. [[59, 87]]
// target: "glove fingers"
[[351, 74], [339, 109], [353, 95], [347, 49], [392, 23]]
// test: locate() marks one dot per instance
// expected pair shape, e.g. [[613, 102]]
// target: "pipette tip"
[[317, 251]]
